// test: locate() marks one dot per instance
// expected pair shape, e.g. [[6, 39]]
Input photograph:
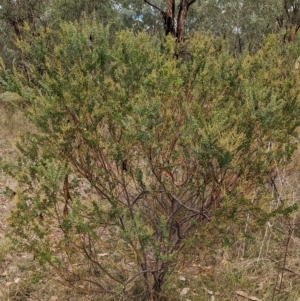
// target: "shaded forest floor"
[[270, 271]]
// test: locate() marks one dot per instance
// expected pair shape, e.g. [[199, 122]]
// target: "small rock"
[[182, 278], [184, 291], [5, 273]]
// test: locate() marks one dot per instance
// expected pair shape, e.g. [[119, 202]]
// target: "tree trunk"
[[169, 17], [158, 281], [183, 8]]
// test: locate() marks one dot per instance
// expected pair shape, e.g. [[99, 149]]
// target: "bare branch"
[[191, 2], [154, 6], [190, 209], [99, 265], [143, 272], [138, 197]]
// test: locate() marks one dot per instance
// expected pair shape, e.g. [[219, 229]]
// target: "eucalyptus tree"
[[243, 23], [173, 15], [289, 18], [68, 10]]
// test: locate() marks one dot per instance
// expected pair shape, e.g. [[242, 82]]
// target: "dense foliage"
[[140, 156], [244, 23]]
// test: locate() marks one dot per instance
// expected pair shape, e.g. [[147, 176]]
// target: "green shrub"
[[139, 156]]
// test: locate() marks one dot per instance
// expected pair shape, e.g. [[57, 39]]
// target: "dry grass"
[[270, 270]]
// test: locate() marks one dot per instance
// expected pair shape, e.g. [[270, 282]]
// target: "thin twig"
[[285, 254]]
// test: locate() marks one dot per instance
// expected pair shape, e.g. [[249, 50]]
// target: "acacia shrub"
[[137, 154]]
